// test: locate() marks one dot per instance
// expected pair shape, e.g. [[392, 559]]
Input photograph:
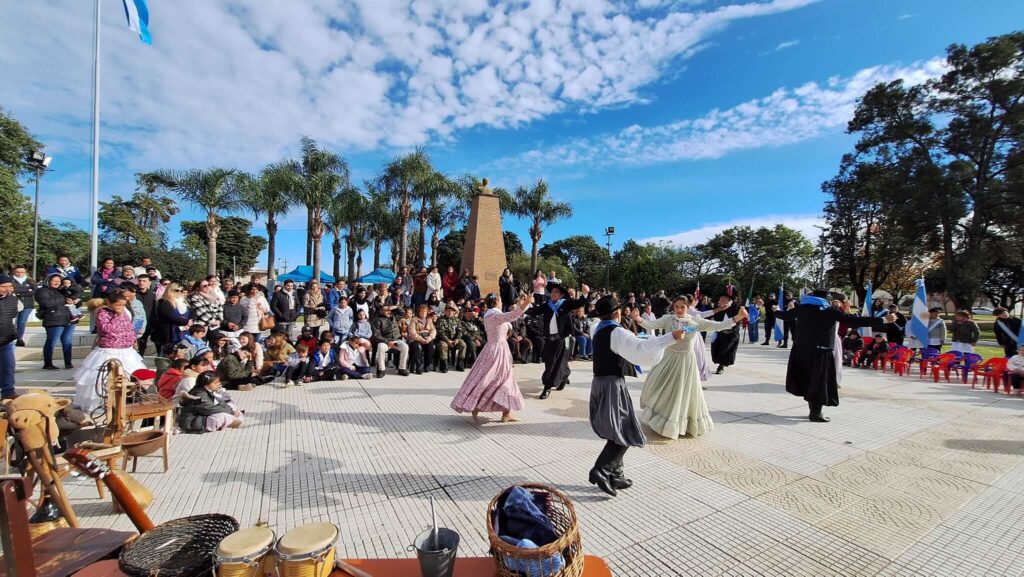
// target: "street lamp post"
[[39, 162], [608, 232]]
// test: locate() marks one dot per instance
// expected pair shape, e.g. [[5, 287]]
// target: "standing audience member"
[[67, 270], [285, 306], [170, 321], [204, 304], [257, 308], [10, 305], [965, 332], [339, 320], [105, 278], [450, 281], [146, 267], [314, 308], [147, 297], [24, 289], [1007, 329], [896, 331], [53, 304], [434, 284], [236, 315], [507, 289], [419, 287]]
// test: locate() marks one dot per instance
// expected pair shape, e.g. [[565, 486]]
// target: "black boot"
[[600, 478], [719, 370], [816, 416], [619, 480], [545, 394], [562, 386], [19, 343]]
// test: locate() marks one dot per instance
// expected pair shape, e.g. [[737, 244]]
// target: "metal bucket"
[[437, 560]]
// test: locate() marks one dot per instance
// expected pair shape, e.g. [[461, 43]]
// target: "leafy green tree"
[[235, 245], [270, 194], [15, 209], [214, 191], [957, 138], [450, 248], [520, 266], [140, 219], [61, 239], [178, 264], [587, 259], [383, 217], [536, 205], [766, 257]]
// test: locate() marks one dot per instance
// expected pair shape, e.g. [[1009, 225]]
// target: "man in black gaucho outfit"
[[812, 369]]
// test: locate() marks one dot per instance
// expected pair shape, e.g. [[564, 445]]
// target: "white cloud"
[[804, 223], [781, 46], [234, 82], [787, 116]]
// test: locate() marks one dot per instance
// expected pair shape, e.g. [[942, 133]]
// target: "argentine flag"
[[865, 311], [138, 18], [779, 330], [919, 315]]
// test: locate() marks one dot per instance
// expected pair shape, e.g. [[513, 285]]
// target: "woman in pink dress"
[[491, 387]]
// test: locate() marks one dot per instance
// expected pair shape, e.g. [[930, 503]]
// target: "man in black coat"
[[147, 296], [723, 349], [896, 331], [285, 307], [556, 313], [812, 370], [788, 324], [769, 317], [1007, 328]]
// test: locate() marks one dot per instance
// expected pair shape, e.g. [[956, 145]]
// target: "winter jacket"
[[285, 306], [434, 285], [168, 383], [231, 368], [966, 332], [24, 291], [102, 281], [70, 272], [192, 417], [169, 321], [340, 320], [52, 307], [237, 314], [385, 329], [205, 310]]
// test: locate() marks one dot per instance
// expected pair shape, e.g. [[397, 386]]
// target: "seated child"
[[1014, 370], [352, 359], [878, 350], [298, 369], [324, 363], [851, 344]]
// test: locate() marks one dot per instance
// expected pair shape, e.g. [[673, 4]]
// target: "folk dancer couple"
[[672, 400]]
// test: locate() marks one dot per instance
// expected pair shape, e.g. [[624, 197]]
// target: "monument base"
[[484, 252]]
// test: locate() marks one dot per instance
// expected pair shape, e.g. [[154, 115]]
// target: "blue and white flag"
[[919, 315], [138, 18], [865, 311], [779, 329]]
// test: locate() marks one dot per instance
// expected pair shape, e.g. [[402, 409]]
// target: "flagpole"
[[94, 202]]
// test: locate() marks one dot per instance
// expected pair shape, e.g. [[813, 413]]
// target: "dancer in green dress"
[[672, 399]]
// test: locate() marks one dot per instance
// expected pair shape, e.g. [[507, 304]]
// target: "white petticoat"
[[86, 396]]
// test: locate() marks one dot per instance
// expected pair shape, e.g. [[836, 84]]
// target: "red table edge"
[[593, 566]]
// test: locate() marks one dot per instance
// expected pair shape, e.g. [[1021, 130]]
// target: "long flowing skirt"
[[490, 386], [611, 412], [672, 401], [723, 348], [701, 354], [86, 396], [811, 374]]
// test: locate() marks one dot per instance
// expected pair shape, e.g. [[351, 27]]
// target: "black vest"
[[8, 318], [607, 363]]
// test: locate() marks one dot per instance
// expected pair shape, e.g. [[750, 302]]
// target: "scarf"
[[816, 301], [603, 324], [20, 279], [555, 305]]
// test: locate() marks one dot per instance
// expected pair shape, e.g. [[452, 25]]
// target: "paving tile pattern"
[[912, 477]]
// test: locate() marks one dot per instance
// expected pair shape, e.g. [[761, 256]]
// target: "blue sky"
[[668, 119]]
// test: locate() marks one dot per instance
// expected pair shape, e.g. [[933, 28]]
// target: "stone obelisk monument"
[[484, 253]]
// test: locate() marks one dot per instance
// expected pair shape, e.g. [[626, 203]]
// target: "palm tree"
[[443, 216], [323, 174], [335, 220], [536, 204], [430, 192], [383, 218], [345, 212], [213, 190], [400, 179], [272, 193]]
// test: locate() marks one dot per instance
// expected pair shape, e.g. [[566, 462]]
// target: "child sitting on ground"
[[297, 372], [352, 359], [169, 380]]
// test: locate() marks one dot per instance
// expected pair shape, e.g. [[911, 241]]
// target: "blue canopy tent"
[[304, 274], [378, 275]]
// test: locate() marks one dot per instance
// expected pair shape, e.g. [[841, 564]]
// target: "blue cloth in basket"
[[524, 519], [532, 568]]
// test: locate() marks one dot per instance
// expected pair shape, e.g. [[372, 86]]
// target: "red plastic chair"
[[901, 361], [924, 358], [941, 364], [992, 372], [886, 360], [865, 346]]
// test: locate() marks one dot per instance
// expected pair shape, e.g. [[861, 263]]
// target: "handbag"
[[267, 323]]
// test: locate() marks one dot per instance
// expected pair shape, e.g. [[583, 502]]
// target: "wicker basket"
[[179, 548], [516, 561]]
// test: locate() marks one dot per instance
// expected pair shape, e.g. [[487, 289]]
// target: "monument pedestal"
[[484, 253]]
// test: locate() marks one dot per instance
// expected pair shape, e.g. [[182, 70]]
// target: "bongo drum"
[[307, 551], [245, 553]]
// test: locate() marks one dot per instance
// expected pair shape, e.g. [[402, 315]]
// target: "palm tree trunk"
[[316, 255], [336, 249], [271, 247], [403, 242], [309, 236], [376, 252], [351, 247], [423, 234], [533, 254], [359, 262], [212, 228], [434, 240]]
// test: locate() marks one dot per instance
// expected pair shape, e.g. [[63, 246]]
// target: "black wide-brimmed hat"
[[554, 285], [604, 306]]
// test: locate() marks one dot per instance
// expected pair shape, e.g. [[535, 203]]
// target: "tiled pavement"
[[910, 478]]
